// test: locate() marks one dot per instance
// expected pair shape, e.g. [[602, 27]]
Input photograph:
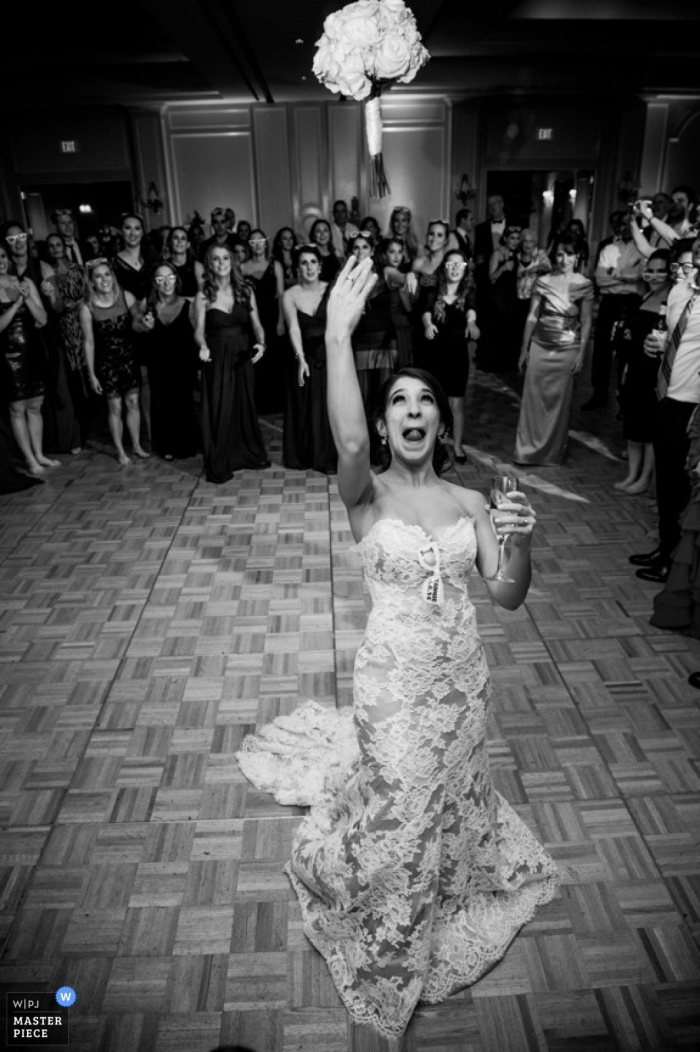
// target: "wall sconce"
[[84, 209], [153, 202], [466, 192], [548, 197], [572, 196]]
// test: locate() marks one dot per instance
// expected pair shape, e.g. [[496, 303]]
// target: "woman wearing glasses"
[[266, 278], [22, 359], [553, 352], [448, 314], [172, 366], [108, 318], [638, 388], [226, 314]]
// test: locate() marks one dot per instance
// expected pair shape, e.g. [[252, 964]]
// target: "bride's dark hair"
[[381, 454]]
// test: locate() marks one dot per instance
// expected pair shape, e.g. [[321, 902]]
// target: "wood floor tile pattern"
[[149, 620]]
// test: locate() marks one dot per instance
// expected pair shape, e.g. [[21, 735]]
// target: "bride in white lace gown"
[[413, 874]]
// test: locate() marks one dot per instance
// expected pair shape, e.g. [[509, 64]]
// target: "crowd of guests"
[[150, 323]]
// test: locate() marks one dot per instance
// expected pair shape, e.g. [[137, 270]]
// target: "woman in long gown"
[[172, 366], [109, 319], [307, 441], [638, 385], [413, 874], [226, 313], [449, 322], [266, 278], [553, 353]]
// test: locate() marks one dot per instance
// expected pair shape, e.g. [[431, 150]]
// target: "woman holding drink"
[[413, 874]]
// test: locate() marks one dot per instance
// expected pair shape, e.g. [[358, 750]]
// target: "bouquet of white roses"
[[364, 47]]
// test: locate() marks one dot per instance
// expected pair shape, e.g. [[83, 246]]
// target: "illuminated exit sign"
[[69, 146], [545, 133]]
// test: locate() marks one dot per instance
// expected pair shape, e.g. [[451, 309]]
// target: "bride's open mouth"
[[414, 434]]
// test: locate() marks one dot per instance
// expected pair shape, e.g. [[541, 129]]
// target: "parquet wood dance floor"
[[149, 620]]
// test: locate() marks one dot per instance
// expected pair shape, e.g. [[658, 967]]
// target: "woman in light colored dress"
[[553, 352]]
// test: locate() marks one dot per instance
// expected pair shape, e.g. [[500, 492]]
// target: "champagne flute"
[[501, 487]]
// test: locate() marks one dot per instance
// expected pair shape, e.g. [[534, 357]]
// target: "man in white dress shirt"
[[673, 412]]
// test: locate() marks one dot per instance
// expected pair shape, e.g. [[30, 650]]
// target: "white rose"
[[353, 78], [392, 59], [361, 23], [419, 57]]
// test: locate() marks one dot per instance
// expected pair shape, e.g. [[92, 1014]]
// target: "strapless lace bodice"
[[412, 873]]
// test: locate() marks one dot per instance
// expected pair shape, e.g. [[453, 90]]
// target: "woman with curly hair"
[[448, 315], [226, 314]]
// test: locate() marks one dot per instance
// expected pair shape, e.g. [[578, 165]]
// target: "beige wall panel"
[[210, 170], [310, 196], [347, 152], [273, 169]]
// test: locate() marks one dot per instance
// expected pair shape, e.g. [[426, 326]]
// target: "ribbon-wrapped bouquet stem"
[[365, 47]]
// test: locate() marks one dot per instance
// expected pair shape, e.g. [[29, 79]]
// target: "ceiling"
[[151, 52]]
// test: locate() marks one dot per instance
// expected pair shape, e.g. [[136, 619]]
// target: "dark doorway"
[[105, 201]]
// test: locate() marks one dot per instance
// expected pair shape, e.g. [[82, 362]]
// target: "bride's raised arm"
[[345, 409]]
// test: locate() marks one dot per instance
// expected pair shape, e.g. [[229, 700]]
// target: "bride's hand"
[[515, 517], [348, 297]]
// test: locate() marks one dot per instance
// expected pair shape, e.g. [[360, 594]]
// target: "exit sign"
[[69, 146], [545, 133]]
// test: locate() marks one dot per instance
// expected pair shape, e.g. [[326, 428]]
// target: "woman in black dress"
[[283, 251], [321, 236], [189, 270], [308, 441], [638, 388], [22, 365], [374, 343], [448, 313], [131, 268], [504, 335], [266, 278], [226, 312], [172, 366], [108, 319], [403, 285]]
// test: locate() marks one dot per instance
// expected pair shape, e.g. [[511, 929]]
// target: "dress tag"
[[433, 591]]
